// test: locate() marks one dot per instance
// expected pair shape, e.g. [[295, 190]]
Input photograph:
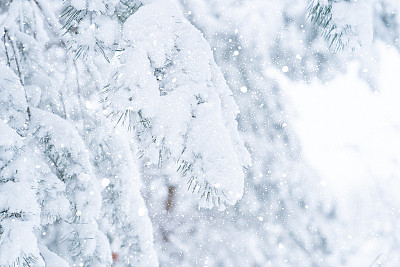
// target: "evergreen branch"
[[209, 194], [321, 16], [17, 62], [26, 260], [5, 47], [127, 11], [71, 15]]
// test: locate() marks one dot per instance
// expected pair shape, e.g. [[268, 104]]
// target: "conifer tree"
[[19, 210], [66, 197], [85, 206]]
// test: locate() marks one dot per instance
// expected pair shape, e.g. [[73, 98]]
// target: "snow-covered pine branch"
[[124, 216], [19, 210], [345, 24], [39, 76], [13, 108], [69, 158], [177, 96], [168, 89], [94, 26], [19, 216]]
